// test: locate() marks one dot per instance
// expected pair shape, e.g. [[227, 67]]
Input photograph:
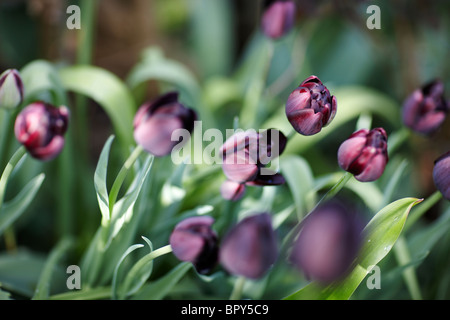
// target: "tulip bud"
[[250, 248], [40, 127], [194, 241], [425, 109], [441, 174], [328, 243], [310, 107], [11, 89], [364, 154], [155, 122], [246, 155], [278, 18], [232, 190]]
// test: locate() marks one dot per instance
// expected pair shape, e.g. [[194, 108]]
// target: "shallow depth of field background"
[[214, 39]]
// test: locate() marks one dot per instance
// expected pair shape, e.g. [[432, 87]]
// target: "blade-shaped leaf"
[[14, 208], [380, 235]]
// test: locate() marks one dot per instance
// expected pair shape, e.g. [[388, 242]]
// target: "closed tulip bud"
[[425, 109], [11, 89], [278, 18], [250, 248], [441, 174], [310, 107], [155, 122], [193, 240], [364, 154], [231, 190], [40, 127], [328, 243], [246, 155]]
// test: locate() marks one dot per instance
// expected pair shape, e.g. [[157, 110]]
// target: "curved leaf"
[[109, 92]]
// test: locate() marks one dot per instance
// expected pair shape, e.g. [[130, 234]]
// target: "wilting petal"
[[273, 179], [441, 174], [249, 248], [240, 167]]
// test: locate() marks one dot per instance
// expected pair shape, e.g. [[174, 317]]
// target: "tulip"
[[11, 89], [426, 109], [441, 174], [231, 190], [193, 240], [278, 18], [155, 122], [246, 155], [328, 243], [40, 127], [364, 154], [310, 107], [250, 248]]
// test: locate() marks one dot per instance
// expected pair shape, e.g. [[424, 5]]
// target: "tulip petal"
[[349, 150], [373, 170], [231, 190]]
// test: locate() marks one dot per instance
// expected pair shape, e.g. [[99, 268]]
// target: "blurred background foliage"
[[219, 41]]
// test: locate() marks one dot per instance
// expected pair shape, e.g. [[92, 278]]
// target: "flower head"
[[328, 243], [278, 18], [194, 241], [11, 89], [40, 127], [310, 107], [155, 122], [364, 154], [425, 109], [441, 174], [250, 247]]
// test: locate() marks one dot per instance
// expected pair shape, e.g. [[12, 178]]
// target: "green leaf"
[[14, 208], [109, 92], [43, 287], [158, 289], [42, 82], [100, 180], [380, 235]]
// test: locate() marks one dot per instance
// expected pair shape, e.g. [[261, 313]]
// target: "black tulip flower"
[[11, 89], [278, 18], [155, 122], [310, 107], [40, 127], [441, 174], [426, 108], [245, 159], [250, 248], [328, 243], [193, 240], [364, 154]]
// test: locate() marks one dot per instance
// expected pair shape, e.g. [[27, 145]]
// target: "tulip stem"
[[121, 176], [236, 294]]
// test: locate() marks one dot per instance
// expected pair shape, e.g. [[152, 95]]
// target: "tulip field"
[[224, 150]]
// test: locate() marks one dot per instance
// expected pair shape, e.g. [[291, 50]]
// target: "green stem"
[[409, 274], [422, 209], [121, 176], [238, 288]]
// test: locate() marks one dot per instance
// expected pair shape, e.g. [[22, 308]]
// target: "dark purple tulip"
[[364, 154], [441, 174], [425, 109], [231, 190], [250, 247], [278, 18], [246, 155], [193, 240], [328, 243], [310, 107], [40, 127], [11, 89], [155, 122]]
